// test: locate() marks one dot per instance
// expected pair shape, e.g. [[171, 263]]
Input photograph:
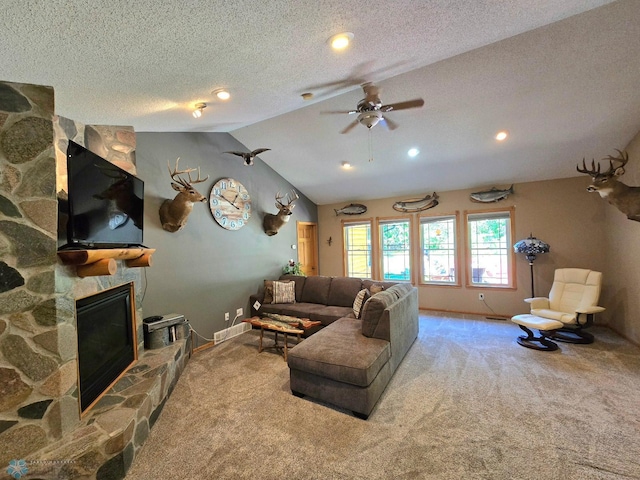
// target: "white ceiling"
[[561, 76]]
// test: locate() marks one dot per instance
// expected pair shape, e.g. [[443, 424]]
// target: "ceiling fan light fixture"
[[197, 113], [341, 41], [370, 119]]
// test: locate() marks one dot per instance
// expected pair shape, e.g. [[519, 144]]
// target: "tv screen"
[[105, 204]]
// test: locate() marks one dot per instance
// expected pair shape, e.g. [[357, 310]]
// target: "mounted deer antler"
[[624, 198], [174, 213], [272, 223]]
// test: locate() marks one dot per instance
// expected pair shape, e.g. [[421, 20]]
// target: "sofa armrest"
[[252, 300], [398, 324]]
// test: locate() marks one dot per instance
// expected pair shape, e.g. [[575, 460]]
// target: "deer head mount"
[[624, 198], [272, 223], [174, 213]]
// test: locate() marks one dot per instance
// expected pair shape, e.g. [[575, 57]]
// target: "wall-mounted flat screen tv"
[[106, 203]]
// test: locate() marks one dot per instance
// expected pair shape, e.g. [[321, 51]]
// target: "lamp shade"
[[531, 247]]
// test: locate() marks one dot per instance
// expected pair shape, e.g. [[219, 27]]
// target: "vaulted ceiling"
[[560, 77]]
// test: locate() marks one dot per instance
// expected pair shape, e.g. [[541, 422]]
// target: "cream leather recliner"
[[570, 308]]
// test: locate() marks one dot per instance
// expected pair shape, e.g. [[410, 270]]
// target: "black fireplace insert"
[[106, 340]]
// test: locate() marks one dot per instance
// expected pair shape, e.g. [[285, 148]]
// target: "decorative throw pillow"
[[268, 292], [376, 288], [284, 292], [361, 297]]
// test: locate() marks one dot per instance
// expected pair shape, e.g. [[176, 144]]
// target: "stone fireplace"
[[39, 407]]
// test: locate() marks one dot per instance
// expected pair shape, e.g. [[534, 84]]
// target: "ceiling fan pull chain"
[[370, 147]]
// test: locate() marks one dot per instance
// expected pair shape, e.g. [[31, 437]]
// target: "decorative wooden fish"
[[351, 209], [409, 206], [493, 195]]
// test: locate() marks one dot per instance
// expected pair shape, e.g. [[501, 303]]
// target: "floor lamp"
[[531, 247]]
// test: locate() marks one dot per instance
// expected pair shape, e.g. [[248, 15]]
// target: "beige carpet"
[[466, 403]]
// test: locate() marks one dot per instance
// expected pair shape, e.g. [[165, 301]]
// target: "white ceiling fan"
[[371, 111]]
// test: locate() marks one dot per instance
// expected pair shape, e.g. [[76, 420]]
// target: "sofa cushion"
[[312, 311], [284, 292], [292, 309], [316, 290], [373, 310], [268, 291], [299, 279], [341, 353], [369, 283], [400, 289], [343, 291], [329, 313]]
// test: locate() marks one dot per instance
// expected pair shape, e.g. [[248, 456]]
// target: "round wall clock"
[[230, 204]]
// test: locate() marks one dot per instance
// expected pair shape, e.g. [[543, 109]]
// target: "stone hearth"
[[103, 445]]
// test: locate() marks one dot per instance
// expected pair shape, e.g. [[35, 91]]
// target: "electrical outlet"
[[226, 316], [481, 296], [239, 312]]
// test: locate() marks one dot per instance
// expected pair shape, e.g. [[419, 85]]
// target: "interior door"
[[308, 247]]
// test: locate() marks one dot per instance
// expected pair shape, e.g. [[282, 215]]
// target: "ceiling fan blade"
[[361, 74], [418, 102], [330, 112], [350, 126], [388, 123]]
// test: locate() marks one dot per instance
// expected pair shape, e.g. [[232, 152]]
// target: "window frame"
[[379, 254], [511, 264], [345, 255], [426, 218]]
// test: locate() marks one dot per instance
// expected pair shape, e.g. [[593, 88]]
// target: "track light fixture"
[[197, 113]]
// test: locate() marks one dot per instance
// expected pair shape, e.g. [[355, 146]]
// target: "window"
[[490, 258], [439, 245], [395, 249], [357, 249]]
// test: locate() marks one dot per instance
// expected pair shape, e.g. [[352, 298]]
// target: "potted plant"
[[292, 268]]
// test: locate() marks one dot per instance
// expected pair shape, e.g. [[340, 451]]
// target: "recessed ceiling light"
[[222, 94], [413, 152], [346, 165], [341, 41], [500, 136]]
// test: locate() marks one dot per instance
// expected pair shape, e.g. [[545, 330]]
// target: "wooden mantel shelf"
[[91, 263]]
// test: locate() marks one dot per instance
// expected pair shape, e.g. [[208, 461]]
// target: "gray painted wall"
[[203, 270]]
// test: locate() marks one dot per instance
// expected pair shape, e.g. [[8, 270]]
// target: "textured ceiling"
[[563, 82]]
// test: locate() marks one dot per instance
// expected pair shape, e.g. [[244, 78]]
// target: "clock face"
[[230, 204]]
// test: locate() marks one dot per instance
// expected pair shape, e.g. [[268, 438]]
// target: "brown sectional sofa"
[[349, 361], [318, 298]]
